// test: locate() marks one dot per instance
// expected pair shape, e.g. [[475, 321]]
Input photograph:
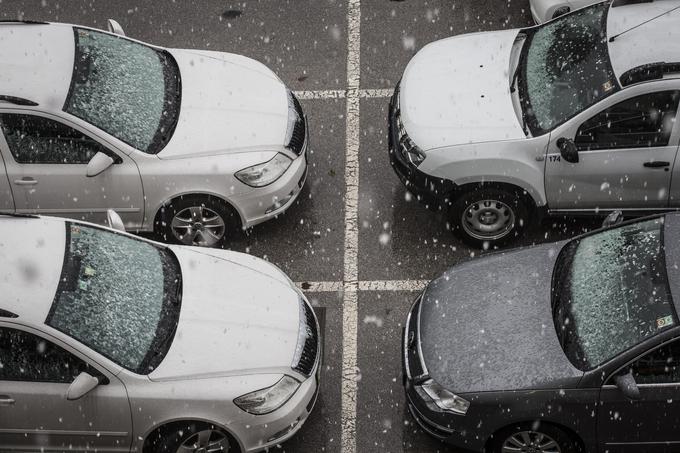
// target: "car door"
[[6, 197], [35, 415], [651, 423], [47, 163], [625, 154]]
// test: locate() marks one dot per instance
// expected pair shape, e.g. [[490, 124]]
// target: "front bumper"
[[431, 191], [265, 203]]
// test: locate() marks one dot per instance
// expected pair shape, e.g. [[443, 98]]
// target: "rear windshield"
[[610, 292]]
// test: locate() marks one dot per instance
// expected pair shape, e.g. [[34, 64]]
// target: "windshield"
[[130, 90], [610, 292], [566, 68], [118, 295]]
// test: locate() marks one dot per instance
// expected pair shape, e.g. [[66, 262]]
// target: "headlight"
[[266, 173], [444, 399], [411, 151], [561, 11], [268, 400]]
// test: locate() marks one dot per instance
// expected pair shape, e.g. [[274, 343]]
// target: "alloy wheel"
[[205, 441], [488, 220], [198, 225], [530, 442]]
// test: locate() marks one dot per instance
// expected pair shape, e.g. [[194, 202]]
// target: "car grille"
[[311, 348], [411, 344], [297, 140]]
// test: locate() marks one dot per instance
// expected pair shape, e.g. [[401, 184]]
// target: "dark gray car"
[[562, 347]]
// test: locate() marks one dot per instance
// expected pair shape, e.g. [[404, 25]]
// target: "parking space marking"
[[342, 94], [350, 315], [375, 285]]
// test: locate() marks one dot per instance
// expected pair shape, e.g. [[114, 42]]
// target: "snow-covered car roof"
[[37, 62], [31, 256], [654, 42]]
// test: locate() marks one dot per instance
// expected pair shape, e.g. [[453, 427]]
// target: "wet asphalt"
[[305, 43]]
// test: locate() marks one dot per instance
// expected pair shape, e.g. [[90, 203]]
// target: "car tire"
[[489, 217], [195, 437], [536, 437], [195, 220]]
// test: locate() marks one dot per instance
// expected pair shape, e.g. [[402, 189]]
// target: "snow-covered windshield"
[[610, 292], [118, 295], [566, 68], [128, 89]]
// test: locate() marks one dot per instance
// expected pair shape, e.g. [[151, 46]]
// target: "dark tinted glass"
[[640, 122], [659, 366], [27, 357], [37, 140]]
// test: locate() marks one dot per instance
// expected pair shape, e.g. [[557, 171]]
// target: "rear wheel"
[[199, 221], [489, 217], [535, 438]]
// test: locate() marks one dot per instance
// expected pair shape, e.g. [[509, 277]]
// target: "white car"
[[191, 144], [576, 116], [111, 343], [545, 10]]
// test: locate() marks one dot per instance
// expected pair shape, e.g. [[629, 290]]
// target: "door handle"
[[25, 181], [6, 400], [657, 164]]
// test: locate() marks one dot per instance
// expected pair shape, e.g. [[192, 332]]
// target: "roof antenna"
[[613, 38]]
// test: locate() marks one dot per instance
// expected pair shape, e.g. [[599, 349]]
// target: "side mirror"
[[98, 164], [627, 385], [114, 27], [568, 150], [114, 221], [613, 218], [83, 384]]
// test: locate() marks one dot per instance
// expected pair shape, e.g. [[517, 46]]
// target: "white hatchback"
[[110, 342], [191, 144], [576, 116], [545, 10]]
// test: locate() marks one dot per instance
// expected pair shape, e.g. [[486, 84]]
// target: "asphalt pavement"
[[359, 244]]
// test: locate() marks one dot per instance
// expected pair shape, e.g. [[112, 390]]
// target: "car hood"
[[486, 325], [229, 104], [457, 91], [235, 319]]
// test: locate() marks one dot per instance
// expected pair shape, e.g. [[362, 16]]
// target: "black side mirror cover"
[[568, 150]]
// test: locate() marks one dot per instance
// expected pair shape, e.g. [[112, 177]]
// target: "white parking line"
[[374, 285], [342, 94], [348, 440]]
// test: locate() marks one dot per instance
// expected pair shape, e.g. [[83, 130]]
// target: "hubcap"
[[488, 220], [206, 441], [530, 442], [198, 225]]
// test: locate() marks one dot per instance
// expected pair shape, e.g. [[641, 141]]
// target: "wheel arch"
[[523, 191], [158, 210], [530, 424], [174, 424]]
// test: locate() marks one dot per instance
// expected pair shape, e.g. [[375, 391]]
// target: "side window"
[[27, 357], [640, 122], [37, 140], [659, 366]]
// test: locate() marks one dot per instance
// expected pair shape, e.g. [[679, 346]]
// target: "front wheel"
[[486, 218], [198, 221], [539, 438], [194, 439]]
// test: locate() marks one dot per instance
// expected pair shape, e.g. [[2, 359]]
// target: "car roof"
[[657, 41], [31, 258], [37, 62]]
